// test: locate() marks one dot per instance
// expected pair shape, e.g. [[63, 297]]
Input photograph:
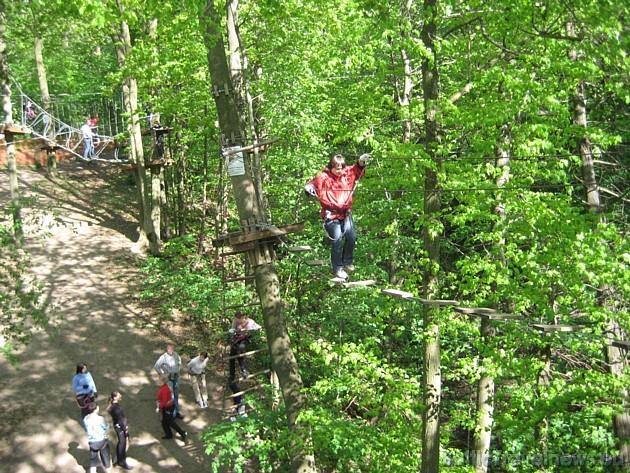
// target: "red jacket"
[[335, 193], [165, 396]]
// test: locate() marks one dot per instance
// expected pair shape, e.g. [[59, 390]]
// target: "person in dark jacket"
[[120, 426]]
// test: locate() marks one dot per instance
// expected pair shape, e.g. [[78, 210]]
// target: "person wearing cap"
[[334, 187]]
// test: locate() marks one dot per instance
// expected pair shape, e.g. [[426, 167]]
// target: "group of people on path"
[[168, 367], [96, 426]]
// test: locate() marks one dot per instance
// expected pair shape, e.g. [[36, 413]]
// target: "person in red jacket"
[[166, 409], [334, 187]]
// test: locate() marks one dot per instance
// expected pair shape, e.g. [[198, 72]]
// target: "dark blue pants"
[[343, 236]]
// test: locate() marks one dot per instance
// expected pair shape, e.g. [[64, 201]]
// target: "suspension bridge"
[[47, 126], [51, 129]]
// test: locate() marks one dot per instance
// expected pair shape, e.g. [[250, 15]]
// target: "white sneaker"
[[349, 268], [341, 274]]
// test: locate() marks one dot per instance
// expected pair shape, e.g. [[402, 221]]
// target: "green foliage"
[[22, 305], [328, 79], [180, 279]]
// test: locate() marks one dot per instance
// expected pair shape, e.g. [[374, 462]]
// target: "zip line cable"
[[470, 189]]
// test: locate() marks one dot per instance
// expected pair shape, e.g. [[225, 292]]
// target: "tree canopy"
[[515, 229]]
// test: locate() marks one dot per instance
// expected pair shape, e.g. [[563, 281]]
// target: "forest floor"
[[80, 230]]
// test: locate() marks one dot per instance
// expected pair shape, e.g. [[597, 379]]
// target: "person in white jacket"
[[88, 139]]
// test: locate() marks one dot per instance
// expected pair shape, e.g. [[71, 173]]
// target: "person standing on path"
[[88, 138], [96, 429], [197, 376], [84, 388], [166, 409], [170, 364], [120, 426], [334, 187]]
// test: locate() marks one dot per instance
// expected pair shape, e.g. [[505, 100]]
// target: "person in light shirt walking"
[[197, 376]]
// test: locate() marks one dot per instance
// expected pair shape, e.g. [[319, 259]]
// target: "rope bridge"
[[48, 127]]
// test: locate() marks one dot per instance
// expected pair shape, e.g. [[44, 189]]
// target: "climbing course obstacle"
[[41, 124]]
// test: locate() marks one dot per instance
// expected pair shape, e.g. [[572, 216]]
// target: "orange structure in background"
[[29, 152]]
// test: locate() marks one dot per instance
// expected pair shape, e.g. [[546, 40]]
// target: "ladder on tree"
[[255, 240], [237, 391]]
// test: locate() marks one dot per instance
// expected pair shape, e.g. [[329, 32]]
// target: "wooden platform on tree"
[[151, 164], [298, 249], [160, 130], [265, 232], [50, 146], [159, 163], [551, 328], [347, 284], [623, 344], [487, 313], [408, 295], [15, 130], [248, 353], [319, 262], [260, 146]]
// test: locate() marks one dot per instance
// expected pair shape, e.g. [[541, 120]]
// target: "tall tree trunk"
[[182, 195], [204, 195], [232, 125], [486, 387], [156, 201], [48, 131], [238, 72], [432, 369], [158, 149], [41, 72], [616, 361], [8, 123], [404, 91], [42, 77], [147, 237]]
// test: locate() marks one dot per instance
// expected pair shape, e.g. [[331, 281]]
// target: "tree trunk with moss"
[[148, 239], [8, 123], [232, 124], [432, 377]]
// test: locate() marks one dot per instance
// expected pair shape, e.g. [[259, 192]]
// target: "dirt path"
[[79, 234]]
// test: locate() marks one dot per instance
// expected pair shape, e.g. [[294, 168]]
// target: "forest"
[[492, 216]]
